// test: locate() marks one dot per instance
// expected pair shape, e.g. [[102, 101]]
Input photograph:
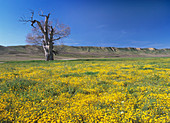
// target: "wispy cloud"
[[101, 26], [123, 32], [147, 44], [159, 45], [72, 41], [139, 42], [107, 44]]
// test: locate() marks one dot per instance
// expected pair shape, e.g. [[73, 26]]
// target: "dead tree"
[[45, 33]]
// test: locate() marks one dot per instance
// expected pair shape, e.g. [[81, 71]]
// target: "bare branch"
[[32, 39], [39, 24], [32, 15], [59, 38], [22, 19], [42, 14], [32, 23]]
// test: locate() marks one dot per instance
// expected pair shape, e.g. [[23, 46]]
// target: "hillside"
[[29, 52]]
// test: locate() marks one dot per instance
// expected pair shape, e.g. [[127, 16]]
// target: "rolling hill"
[[30, 52]]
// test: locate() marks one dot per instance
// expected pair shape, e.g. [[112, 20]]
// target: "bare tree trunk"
[[51, 44], [47, 44], [48, 51], [51, 56]]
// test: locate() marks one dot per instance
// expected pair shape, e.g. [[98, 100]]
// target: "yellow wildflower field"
[[91, 91]]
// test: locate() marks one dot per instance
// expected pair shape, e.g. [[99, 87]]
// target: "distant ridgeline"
[[87, 51]]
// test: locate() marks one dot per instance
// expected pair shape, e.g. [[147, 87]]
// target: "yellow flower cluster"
[[106, 91]]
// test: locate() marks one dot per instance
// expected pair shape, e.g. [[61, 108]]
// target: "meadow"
[[120, 90]]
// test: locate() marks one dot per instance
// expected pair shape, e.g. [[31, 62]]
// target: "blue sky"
[[115, 23]]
